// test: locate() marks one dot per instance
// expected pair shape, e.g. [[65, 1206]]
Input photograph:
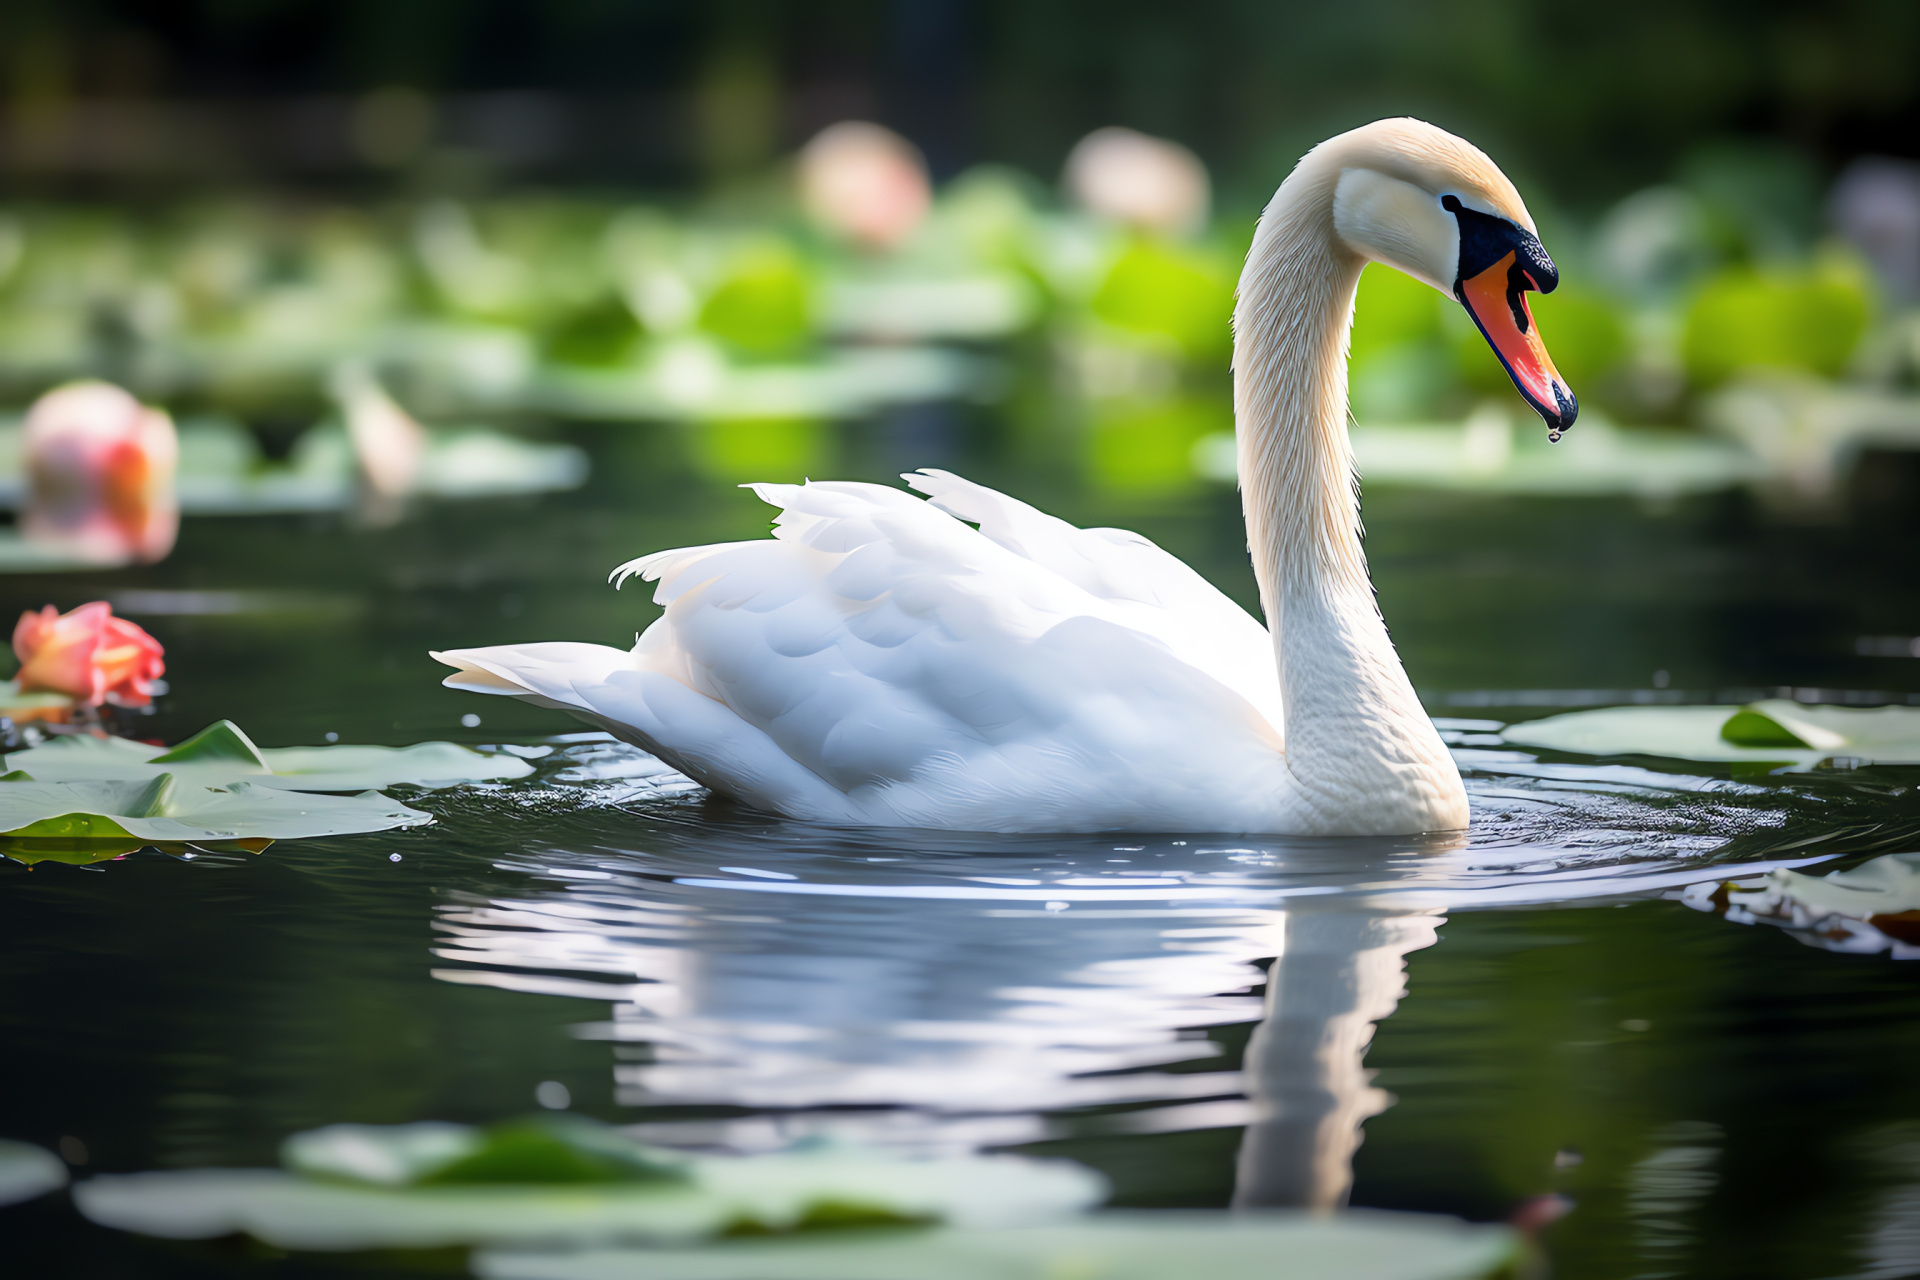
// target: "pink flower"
[[100, 466], [864, 182], [1138, 181], [87, 654]]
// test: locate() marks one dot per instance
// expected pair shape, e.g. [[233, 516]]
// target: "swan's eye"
[[1485, 239]]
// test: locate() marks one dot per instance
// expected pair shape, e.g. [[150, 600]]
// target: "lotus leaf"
[[75, 852], [1882, 887], [168, 809], [81, 851], [1872, 908], [222, 752], [378, 1155], [563, 1180], [27, 1171], [23, 708], [1356, 1245], [290, 1212], [543, 1149], [1775, 731]]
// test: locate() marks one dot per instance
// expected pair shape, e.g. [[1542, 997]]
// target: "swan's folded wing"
[[879, 643], [1174, 603]]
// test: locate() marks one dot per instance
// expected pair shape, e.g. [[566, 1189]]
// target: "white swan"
[[882, 661]]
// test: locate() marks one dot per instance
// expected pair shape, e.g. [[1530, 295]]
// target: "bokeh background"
[[587, 210], [452, 305]]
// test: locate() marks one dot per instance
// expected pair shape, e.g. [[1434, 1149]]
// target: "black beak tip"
[[1566, 409]]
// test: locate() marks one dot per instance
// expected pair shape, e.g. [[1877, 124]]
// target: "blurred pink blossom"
[[1141, 181], [100, 468], [865, 183]]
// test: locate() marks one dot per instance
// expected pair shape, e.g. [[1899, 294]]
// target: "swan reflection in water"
[[953, 991], [1342, 971]]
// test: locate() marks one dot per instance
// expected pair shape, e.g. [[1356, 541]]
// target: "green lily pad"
[[27, 1171], [74, 852], [565, 1180], [221, 742], [1751, 729], [1883, 887], [1139, 1245], [39, 705], [538, 1150], [222, 752], [425, 764], [1875, 907], [80, 852], [395, 1155], [1774, 731], [168, 809]]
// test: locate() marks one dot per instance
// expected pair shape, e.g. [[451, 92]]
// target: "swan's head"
[[1432, 205]]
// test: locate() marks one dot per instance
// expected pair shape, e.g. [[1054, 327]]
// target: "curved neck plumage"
[[1355, 731], [1291, 325]]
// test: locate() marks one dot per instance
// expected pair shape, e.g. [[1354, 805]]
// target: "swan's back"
[[882, 661]]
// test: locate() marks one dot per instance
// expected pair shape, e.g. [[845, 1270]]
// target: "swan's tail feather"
[[548, 674], [697, 735]]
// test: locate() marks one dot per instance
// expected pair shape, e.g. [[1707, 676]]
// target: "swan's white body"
[[883, 662]]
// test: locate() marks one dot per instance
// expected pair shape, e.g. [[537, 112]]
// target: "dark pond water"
[[1187, 1014]]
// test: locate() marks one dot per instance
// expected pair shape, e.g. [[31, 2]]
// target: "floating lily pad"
[[1107, 1246], [222, 752], [1883, 887], [166, 809], [569, 1181], [545, 1149], [73, 852], [425, 764], [25, 708], [82, 852], [1775, 731], [27, 1171], [1874, 907]]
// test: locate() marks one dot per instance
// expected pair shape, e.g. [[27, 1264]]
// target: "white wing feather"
[[881, 662], [1184, 610]]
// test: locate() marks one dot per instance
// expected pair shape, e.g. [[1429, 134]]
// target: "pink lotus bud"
[[864, 182], [87, 654], [1139, 181], [101, 465]]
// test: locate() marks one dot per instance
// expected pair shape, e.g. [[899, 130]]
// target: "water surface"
[[1449, 1025]]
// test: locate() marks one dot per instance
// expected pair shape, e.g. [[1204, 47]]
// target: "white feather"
[[879, 662]]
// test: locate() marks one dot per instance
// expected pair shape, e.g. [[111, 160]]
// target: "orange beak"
[[1496, 298]]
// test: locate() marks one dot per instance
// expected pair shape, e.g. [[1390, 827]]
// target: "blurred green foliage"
[[1392, 309], [736, 318], [604, 332], [762, 306], [1807, 318], [1172, 290], [1584, 330], [740, 450], [1149, 449]]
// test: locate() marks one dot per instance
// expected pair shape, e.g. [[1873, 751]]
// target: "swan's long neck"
[[1356, 735]]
